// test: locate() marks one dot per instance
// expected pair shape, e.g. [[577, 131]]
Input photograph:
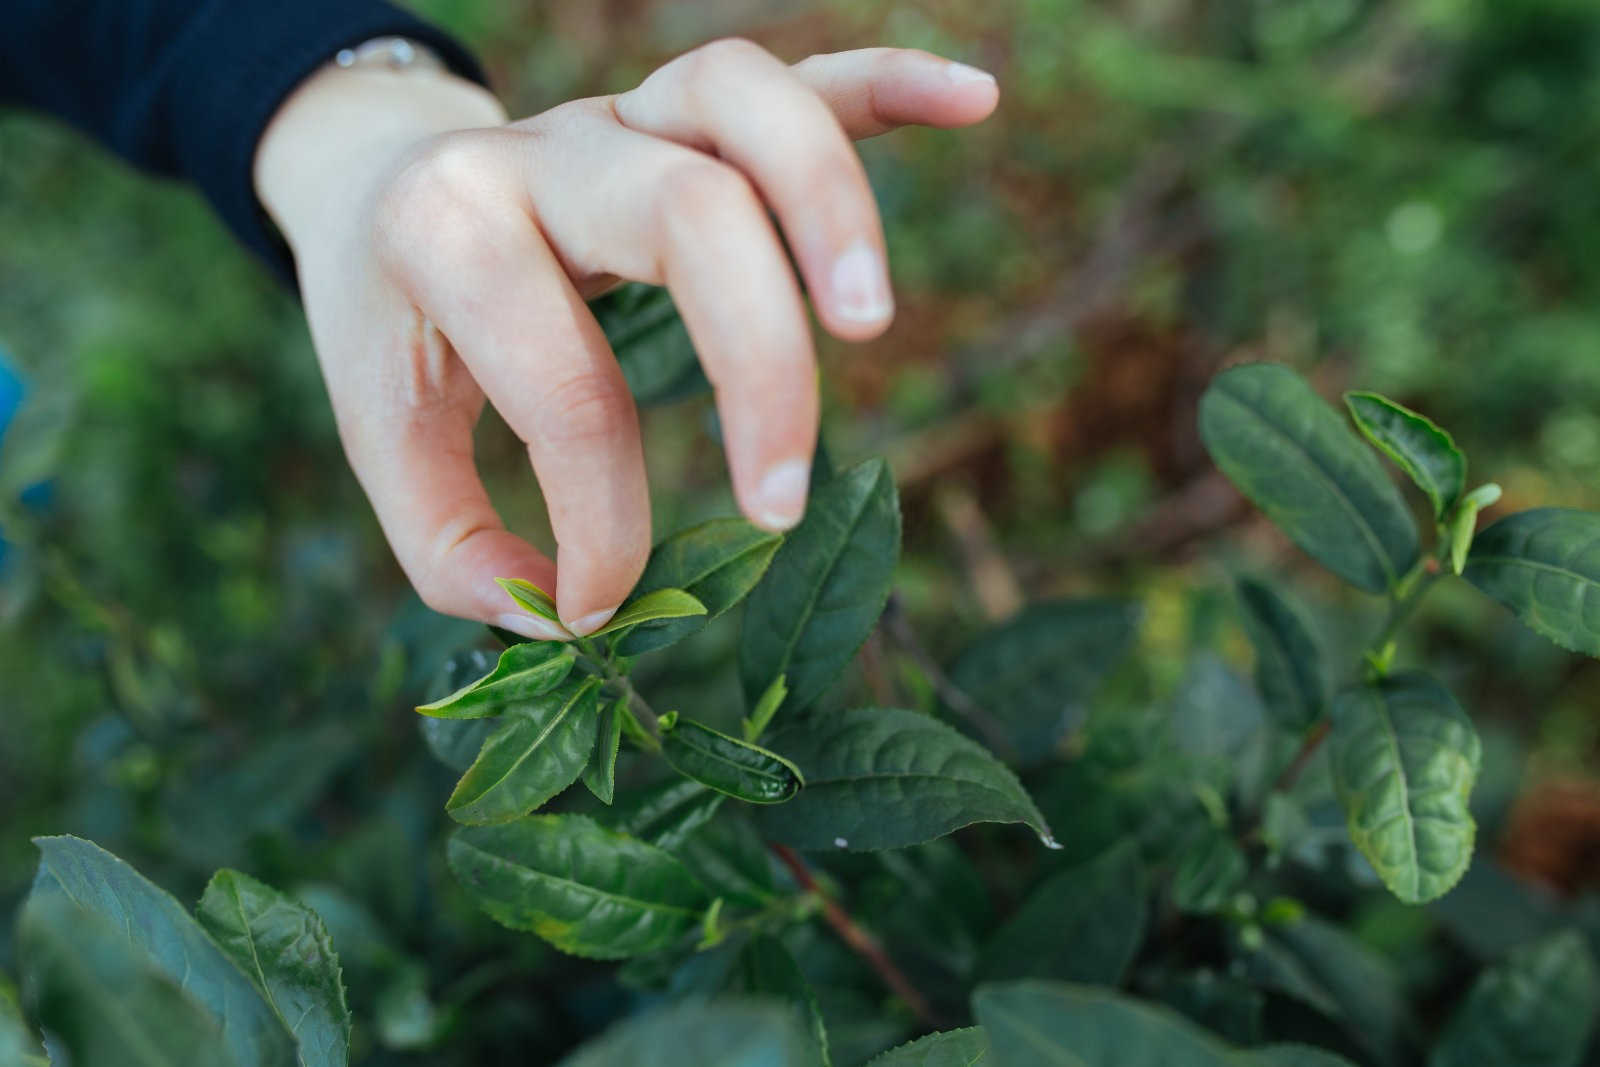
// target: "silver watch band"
[[389, 53]]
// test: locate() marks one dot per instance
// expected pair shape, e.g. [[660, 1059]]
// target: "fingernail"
[[860, 285], [533, 627], [781, 496], [962, 74], [590, 623]]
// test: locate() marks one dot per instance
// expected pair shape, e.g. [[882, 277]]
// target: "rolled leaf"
[[888, 778], [1292, 455], [1427, 454], [600, 773], [825, 588], [1464, 522], [285, 950], [523, 672], [530, 598], [1289, 670], [1545, 566], [740, 769], [1404, 758], [585, 889], [1537, 1009], [718, 562], [540, 749]]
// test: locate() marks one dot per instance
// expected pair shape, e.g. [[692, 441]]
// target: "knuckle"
[[580, 411], [700, 188], [438, 189], [725, 53]]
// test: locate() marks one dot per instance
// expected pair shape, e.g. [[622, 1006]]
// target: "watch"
[[389, 53]]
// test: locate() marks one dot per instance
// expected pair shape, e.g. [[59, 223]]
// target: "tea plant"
[[1167, 926]]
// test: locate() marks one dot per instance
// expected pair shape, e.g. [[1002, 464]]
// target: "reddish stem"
[[860, 941], [1308, 748]]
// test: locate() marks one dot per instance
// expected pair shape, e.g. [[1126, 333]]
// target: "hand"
[[445, 258]]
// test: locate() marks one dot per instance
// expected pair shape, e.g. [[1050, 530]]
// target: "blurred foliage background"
[[207, 656]]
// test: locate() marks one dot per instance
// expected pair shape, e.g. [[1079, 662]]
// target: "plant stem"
[[859, 940], [1308, 748]]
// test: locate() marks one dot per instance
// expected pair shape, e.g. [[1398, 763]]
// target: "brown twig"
[[860, 941], [1308, 748]]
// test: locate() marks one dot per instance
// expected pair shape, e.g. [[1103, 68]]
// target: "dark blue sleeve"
[[185, 88]]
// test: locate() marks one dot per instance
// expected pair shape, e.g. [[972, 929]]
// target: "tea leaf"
[[1464, 522], [283, 947], [726, 1032], [540, 750], [530, 598], [523, 672], [741, 770], [585, 889], [154, 931], [729, 858], [825, 588], [1289, 671], [1036, 673], [1426, 453], [765, 968], [888, 778], [652, 607], [718, 562], [1544, 565], [1537, 1009], [1082, 925], [600, 773], [1300, 463], [968, 1047], [667, 812], [1211, 869], [642, 325], [1042, 1024]]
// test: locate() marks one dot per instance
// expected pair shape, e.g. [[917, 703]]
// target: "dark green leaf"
[[766, 969], [1427, 454], [1464, 522], [105, 1002], [1404, 757], [1545, 566], [666, 813], [524, 672], [541, 748], [1289, 669], [1044, 1024], [729, 858], [600, 773], [1292, 455], [658, 360], [825, 588], [1537, 1009], [661, 605], [1223, 1004], [953, 1048], [888, 778], [1209, 873], [740, 769], [719, 1033], [456, 742], [719, 562], [160, 932], [1035, 674], [1290, 1056], [585, 889], [284, 948], [1082, 925]]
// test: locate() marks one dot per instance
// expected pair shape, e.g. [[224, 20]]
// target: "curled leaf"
[[737, 768]]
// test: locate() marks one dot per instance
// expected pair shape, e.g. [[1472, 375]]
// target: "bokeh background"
[[207, 656]]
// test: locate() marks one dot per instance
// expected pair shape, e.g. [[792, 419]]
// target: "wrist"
[[344, 127]]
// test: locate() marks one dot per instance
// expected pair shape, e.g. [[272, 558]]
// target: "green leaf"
[[99, 994], [738, 768], [718, 562], [1035, 674], [766, 969], [524, 672], [720, 1033], [1290, 1056], [1464, 522], [158, 931], [600, 773], [1044, 1024], [1544, 565], [761, 717], [825, 589], [888, 778], [1537, 1009], [284, 948], [530, 598], [666, 813], [1209, 873], [540, 749], [663, 604], [1289, 670], [18, 1045], [1082, 925], [642, 325], [1426, 453], [585, 889], [456, 742], [968, 1047], [729, 858], [1292, 455], [1404, 757]]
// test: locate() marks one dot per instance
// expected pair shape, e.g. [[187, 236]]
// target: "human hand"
[[445, 258]]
